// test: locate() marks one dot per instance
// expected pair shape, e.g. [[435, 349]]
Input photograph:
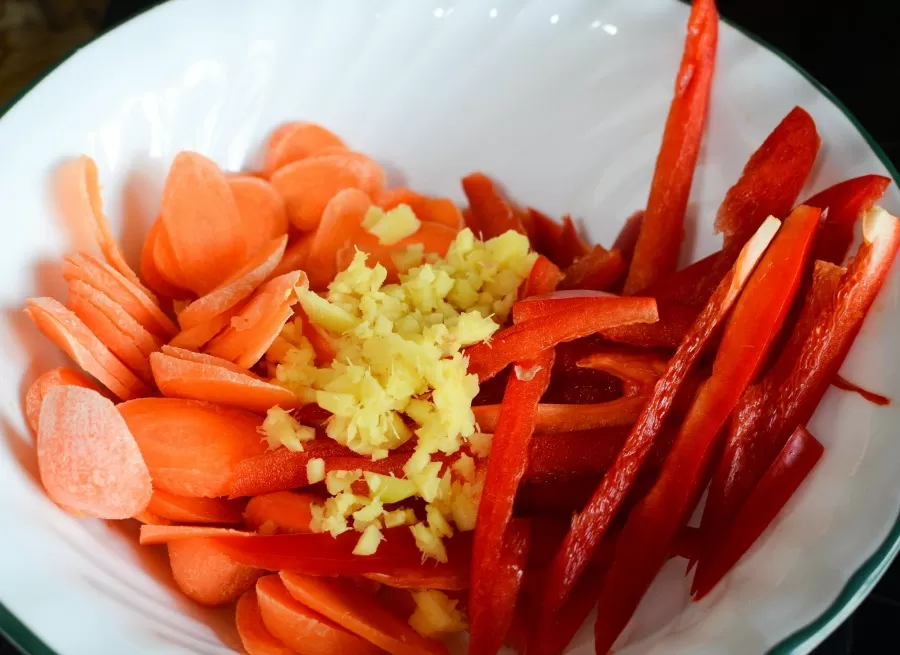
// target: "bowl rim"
[[803, 639]]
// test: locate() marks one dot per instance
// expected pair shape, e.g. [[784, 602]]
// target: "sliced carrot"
[[259, 205], [141, 306], [491, 212], [149, 518], [150, 272], [194, 510], [341, 219], [164, 257], [202, 358], [192, 447], [434, 237], [67, 331], [233, 291], [198, 336], [307, 185], [58, 377], [301, 628], [79, 186], [284, 511], [208, 237], [432, 210], [109, 332], [295, 255], [181, 378], [153, 535], [88, 460], [356, 611], [295, 141], [207, 575], [257, 640]]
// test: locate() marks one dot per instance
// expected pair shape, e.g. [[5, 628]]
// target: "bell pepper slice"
[[491, 609], [492, 214], [565, 417], [874, 398], [590, 526], [627, 238], [753, 327], [772, 409], [796, 460], [571, 245], [544, 275], [599, 269], [659, 243], [641, 368], [544, 233], [506, 467], [566, 455]]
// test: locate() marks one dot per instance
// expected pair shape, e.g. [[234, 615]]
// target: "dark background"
[[853, 48]]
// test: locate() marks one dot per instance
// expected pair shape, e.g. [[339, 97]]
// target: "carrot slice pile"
[[58, 377], [205, 574], [194, 510], [255, 637], [89, 462], [295, 141]]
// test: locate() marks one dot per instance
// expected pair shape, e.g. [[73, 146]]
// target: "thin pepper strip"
[[751, 331], [787, 397], [566, 417], [492, 214], [659, 243], [795, 461], [522, 340], [590, 526], [637, 367], [598, 269], [544, 275]]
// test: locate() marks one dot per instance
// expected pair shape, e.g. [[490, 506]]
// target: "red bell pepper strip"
[[871, 396], [769, 185], [544, 275], [590, 526], [652, 525], [562, 456], [571, 245], [845, 202], [659, 242], [522, 340], [506, 467], [551, 418], [641, 368], [599, 269], [795, 461], [627, 238], [491, 608], [544, 233], [492, 215], [787, 397]]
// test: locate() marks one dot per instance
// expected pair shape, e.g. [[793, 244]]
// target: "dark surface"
[[852, 48]]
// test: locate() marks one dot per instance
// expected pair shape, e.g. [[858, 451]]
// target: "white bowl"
[[562, 100]]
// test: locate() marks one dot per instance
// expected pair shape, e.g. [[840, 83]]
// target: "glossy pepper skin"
[[591, 525], [659, 242], [491, 213], [651, 527], [793, 464]]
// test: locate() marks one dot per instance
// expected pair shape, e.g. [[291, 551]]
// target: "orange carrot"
[[240, 286], [198, 336], [208, 237], [181, 378], [153, 535], [261, 207], [68, 332], [145, 341], [202, 358], [295, 141], [166, 263], [149, 518], [194, 510], [432, 210], [207, 575], [492, 214], [257, 640], [307, 185], [356, 611], [318, 339], [150, 272], [192, 447], [295, 255], [301, 628], [58, 377], [285, 511], [341, 219], [88, 460], [434, 237], [100, 275]]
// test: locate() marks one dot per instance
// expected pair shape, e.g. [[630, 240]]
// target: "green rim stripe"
[[801, 641]]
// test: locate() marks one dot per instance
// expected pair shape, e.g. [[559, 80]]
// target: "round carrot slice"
[[69, 332], [307, 185], [302, 629], [88, 459], [207, 575], [295, 255], [284, 511], [252, 631], [295, 141], [203, 358], [58, 377], [261, 207], [150, 272], [194, 510], [143, 338], [341, 219]]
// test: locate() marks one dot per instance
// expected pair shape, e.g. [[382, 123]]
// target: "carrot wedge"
[[284, 511], [491, 212], [358, 612], [659, 243], [192, 447], [206, 575], [68, 332], [259, 205], [295, 141], [341, 218], [88, 460], [208, 237], [301, 628], [552, 418], [58, 377], [180, 378], [255, 637], [233, 291], [184, 509], [307, 185], [590, 526]]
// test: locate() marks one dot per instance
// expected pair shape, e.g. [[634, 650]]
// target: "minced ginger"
[[399, 372]]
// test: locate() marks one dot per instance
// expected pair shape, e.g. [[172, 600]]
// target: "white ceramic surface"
[[562, 100]]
